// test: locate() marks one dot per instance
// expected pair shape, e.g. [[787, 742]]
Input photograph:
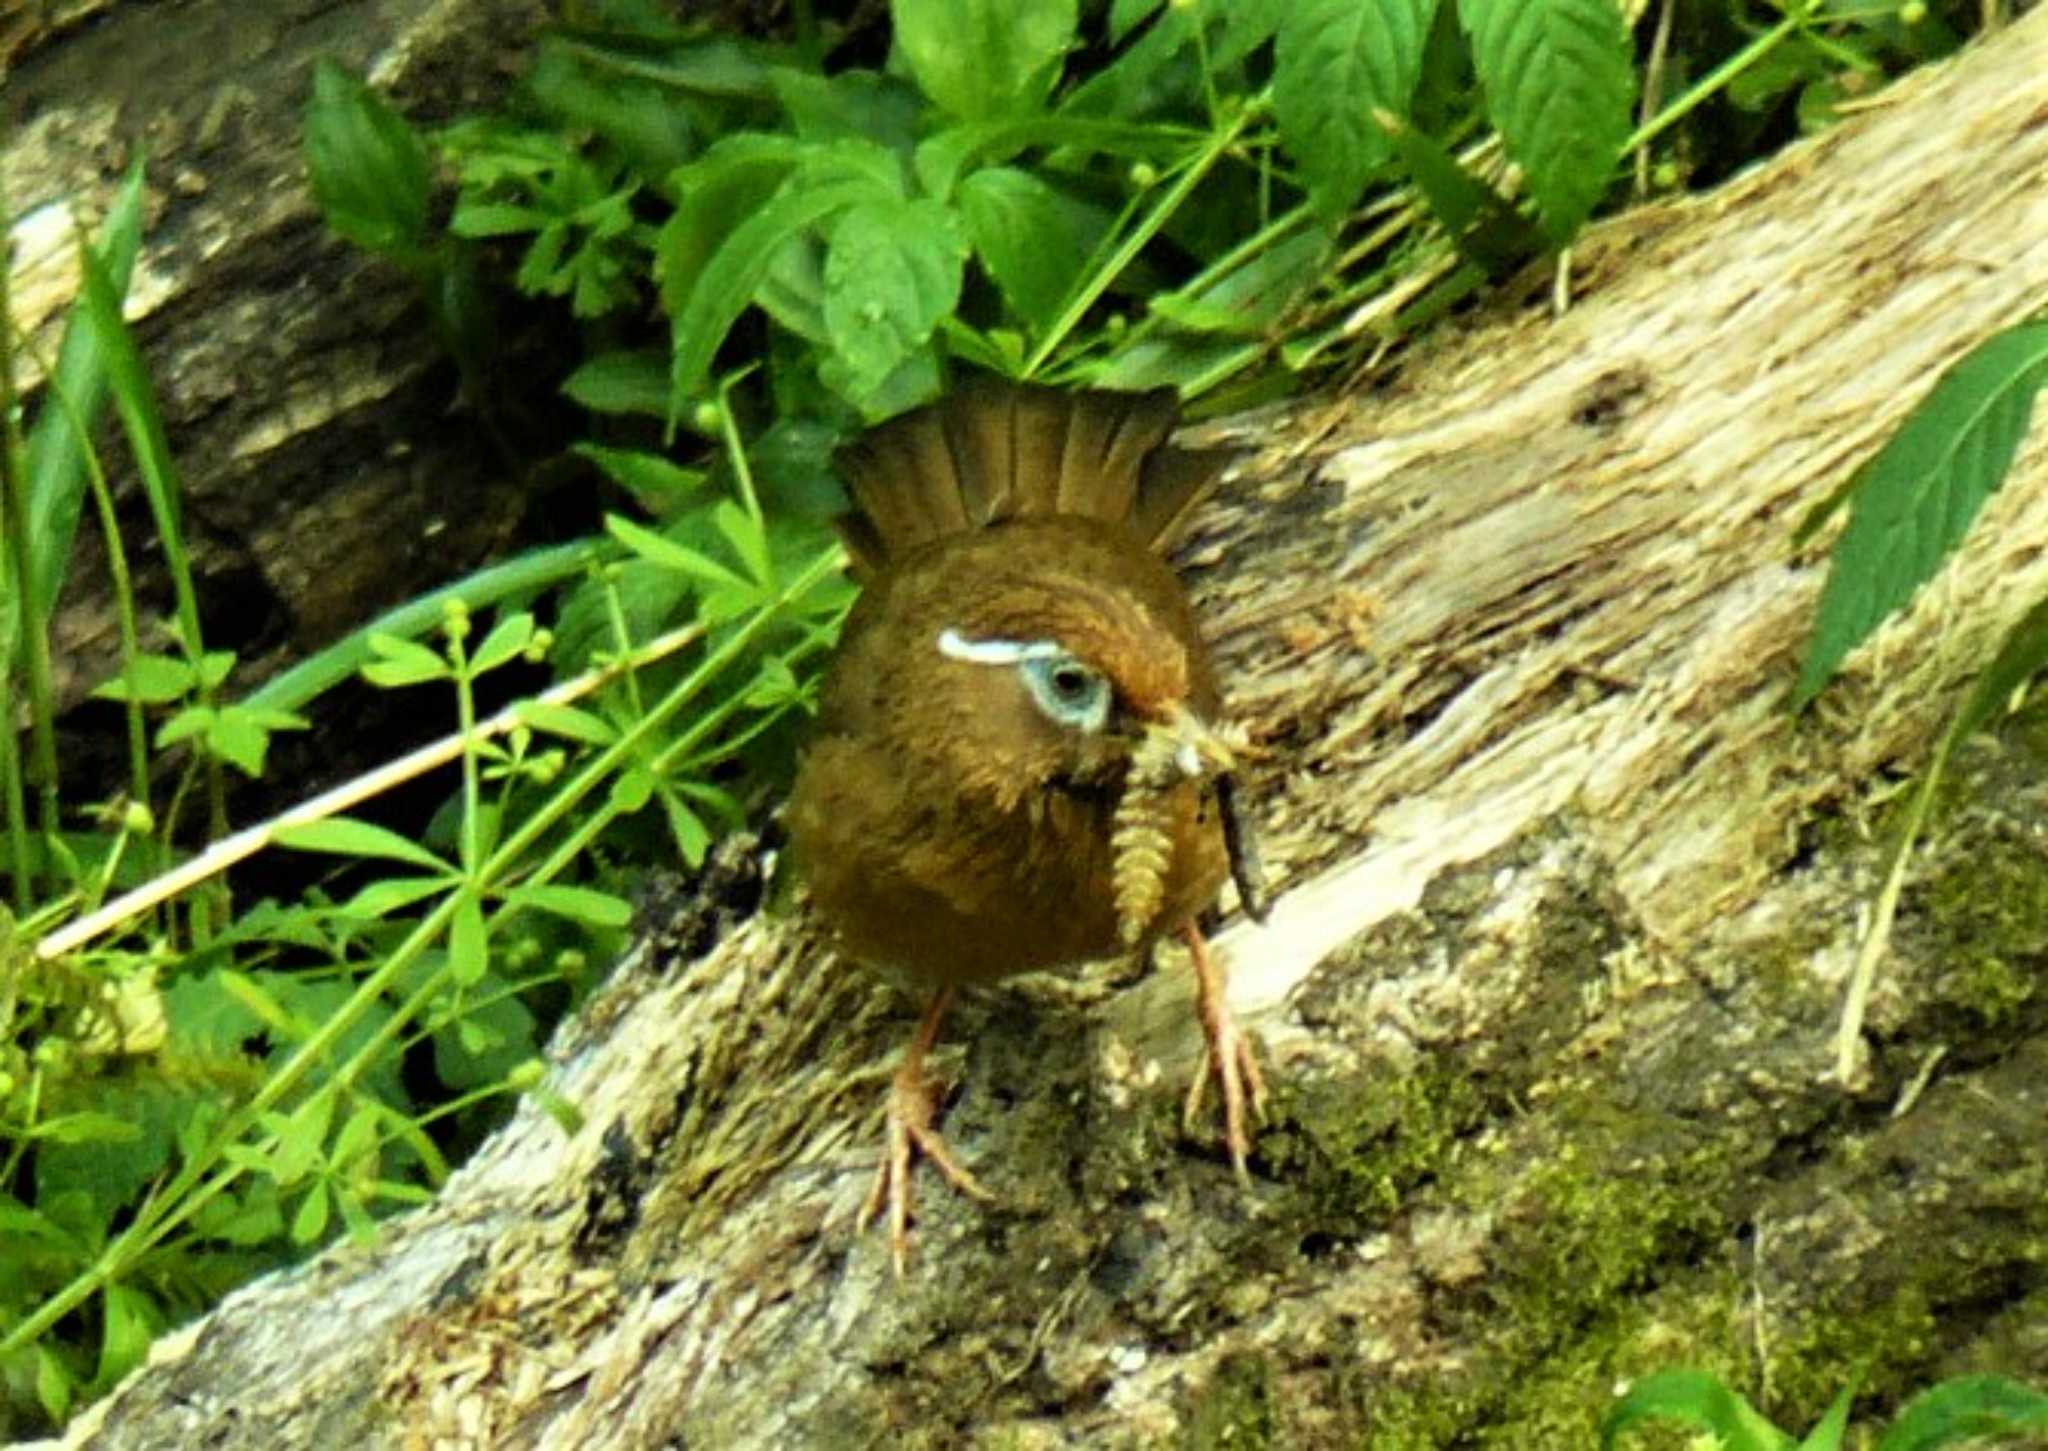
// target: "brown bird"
[[1017, 761]]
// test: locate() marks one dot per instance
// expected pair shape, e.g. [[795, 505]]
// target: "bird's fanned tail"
[[995, 450]]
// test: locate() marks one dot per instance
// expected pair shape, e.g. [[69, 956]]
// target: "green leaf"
[[1492, 235], [495, 219], [1828, 1434], [1969, 1406], [56, 448], [194, 720], [622, 382], [1334, 62], [149, 679], [567, 721], [380, 899], [509, 636], [346, 836], [469, 951], [238, 737], [1250, 298], [1029, 235], [631, 790], [692, 837], [578, 904], [892, 270], [1696, 1398], [646, 474], [310, 1223], [1913, 501], [369, 171], [1560, 82], [658, 549], [85, 1127], [711, 302], [404, 662], [746, 538], [984, 59], [131, 1322]]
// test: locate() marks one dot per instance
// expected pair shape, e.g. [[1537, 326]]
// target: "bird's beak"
[[1194, 747]]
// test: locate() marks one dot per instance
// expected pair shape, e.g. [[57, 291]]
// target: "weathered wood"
[[1550, 990]]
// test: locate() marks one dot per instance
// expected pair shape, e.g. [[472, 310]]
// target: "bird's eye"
[[1070, 693]]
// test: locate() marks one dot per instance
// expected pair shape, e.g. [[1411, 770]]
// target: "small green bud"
[[707, 417], [1144, 175], [455, 622], [1912, 12], [137, 819], [526, 1075]]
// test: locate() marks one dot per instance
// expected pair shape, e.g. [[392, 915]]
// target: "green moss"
[[1989, 912], [1357, 1155], [1236, 1409], [1884, 1349]]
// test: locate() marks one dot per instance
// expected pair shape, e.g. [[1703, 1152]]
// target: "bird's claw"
[[1229, 1058]]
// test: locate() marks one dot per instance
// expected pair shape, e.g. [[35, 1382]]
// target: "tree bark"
[[1549, 997]]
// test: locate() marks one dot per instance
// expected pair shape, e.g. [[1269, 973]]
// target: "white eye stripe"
[[955, 646]]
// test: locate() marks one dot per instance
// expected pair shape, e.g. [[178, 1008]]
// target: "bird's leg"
[[911, 1111], [1229, 1057]]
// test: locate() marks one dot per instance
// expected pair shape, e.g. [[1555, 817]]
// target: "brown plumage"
[[1016, 756]]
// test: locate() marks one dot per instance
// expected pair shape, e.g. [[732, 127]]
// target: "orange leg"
[[911, 1111], [1229, 1057]]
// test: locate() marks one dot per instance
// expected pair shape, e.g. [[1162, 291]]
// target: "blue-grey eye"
[[1070, 693]]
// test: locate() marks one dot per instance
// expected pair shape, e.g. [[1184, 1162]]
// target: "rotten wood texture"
[[1568, 901]]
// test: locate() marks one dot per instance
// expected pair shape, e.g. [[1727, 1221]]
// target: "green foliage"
[[1912, 502], [1967, 1408]]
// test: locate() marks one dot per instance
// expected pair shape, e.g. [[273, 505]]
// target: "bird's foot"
[[913, 1106], [1229, 1059]]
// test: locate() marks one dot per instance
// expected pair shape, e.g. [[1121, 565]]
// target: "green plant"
[[1968, 1408]]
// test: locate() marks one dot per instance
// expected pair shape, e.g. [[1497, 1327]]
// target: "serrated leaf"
[[1560, 82], [578, 904], [149, 680], [346, 836], [983, 59], [1334, 62], [1028, 236], [1912, 502], [892, 270], [369, 171]]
